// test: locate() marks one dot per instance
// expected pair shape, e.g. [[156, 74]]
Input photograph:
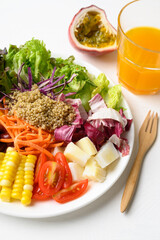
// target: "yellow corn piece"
[[28, 179], [3, 163], [1, 158], [19, 180], [6, 194], [11, 161]]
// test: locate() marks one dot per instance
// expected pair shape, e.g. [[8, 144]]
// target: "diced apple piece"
[[58, 149], [76, 170], [106, 155], [87, 146], [94, 172], [75, 154]]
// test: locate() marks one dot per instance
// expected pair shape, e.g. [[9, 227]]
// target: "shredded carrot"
[[35, 146], [28, 139], [10, 140], [16, 127], [5, 126], [52, 145]]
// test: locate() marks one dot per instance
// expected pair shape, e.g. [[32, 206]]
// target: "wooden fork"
[[147, 136]]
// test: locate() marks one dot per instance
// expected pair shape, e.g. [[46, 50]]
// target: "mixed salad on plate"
[[60, 127]]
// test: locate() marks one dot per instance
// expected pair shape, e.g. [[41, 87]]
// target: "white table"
[[49, 20]]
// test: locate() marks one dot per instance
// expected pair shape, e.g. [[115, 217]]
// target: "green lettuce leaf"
[[85, 95], [67, 67], [113, 97], [34, 54], [102, 84]]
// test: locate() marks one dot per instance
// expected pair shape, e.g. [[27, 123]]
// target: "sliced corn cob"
[[10, 168], [28, 179], [19, 180], [1, 158], [3, 163], [6, 194]]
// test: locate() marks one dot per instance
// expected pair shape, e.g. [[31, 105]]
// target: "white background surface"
[[49, 20]]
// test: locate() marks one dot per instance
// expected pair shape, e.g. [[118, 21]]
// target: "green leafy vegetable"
[[6, 81], [102, 84], [34, 54], [113, 97], [68, 68], [13, 49], [81, 84], [85, 95]]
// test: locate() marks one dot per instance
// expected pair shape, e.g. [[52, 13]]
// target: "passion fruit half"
[[91, 32]]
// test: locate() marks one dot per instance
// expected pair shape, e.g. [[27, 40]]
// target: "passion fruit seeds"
[[91, 32]]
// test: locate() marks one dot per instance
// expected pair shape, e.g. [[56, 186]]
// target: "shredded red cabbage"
[[46, 86], [29, 78]]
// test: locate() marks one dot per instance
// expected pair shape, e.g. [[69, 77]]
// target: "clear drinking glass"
[[139, 66]]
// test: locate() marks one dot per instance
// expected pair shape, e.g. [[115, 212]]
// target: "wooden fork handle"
[[132, 182]]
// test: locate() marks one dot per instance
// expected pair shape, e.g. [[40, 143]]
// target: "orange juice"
[[139, 59]]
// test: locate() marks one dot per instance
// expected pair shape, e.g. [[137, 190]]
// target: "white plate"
[[51, 208]]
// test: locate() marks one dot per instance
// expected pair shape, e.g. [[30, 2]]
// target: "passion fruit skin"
[[90, 50]]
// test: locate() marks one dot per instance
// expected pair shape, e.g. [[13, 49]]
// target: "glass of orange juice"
[[138, 41]]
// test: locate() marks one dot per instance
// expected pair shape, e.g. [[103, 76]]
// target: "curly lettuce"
[[35, 55]]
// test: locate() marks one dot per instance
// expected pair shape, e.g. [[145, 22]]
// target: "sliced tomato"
[[74, 191], [41, 160], [51, 177], [38, 194], [61, 159]]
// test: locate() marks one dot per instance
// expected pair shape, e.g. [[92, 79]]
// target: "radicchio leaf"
[[121, 144], [64, 133], [129, 121], [96, 136]]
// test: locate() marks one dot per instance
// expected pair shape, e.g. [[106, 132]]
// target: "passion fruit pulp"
[[91, 32]]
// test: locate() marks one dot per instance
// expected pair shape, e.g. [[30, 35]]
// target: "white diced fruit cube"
[[107, 154], [57, 149], [75, 154], [76, 170], [87, 146], [94, 172]]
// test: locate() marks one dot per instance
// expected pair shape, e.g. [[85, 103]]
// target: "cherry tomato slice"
[[41, 160], [74, 191], [38, 194], [51, 177], [61, 159]]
